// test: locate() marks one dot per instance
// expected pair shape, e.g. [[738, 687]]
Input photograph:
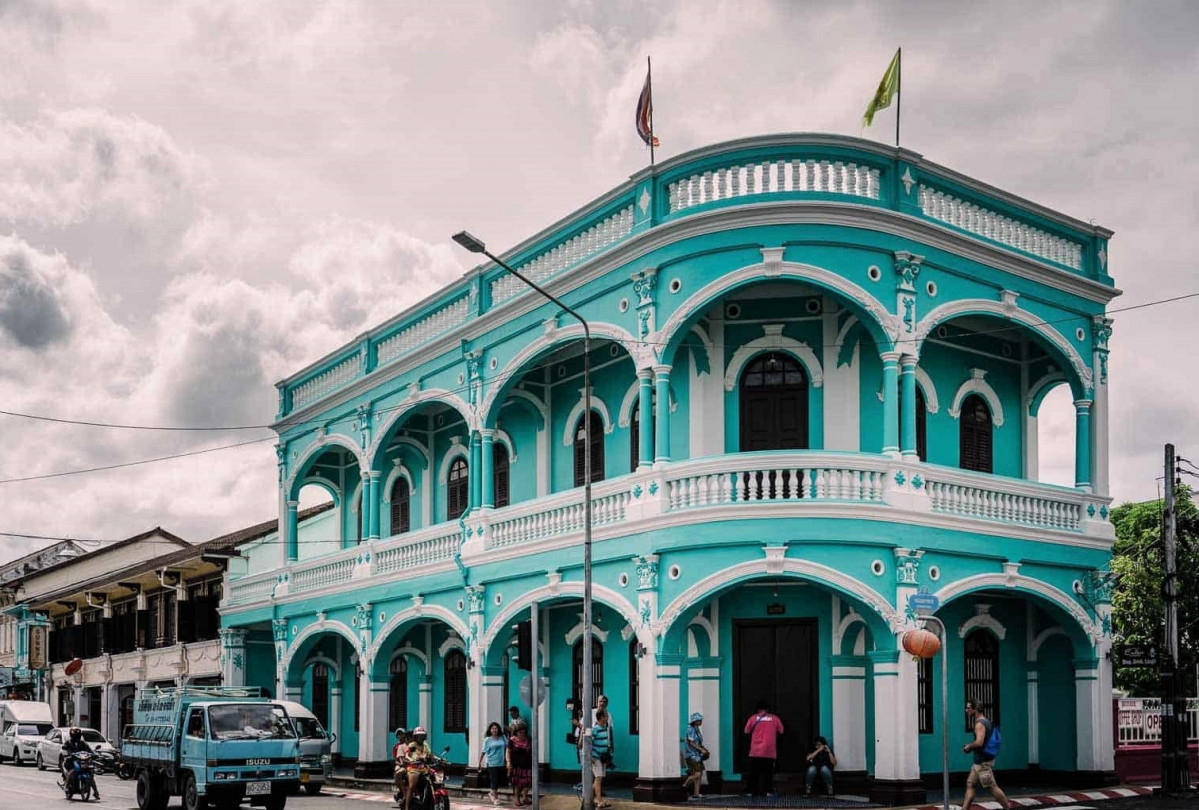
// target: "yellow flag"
[[887, 88]]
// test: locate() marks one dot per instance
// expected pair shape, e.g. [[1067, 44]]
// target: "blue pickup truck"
[[214, 746]]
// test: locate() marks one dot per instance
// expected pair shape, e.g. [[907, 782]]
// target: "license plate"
[[304, 776], [258, 789]]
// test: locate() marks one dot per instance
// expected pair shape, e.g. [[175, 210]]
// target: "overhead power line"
[[136, 463]]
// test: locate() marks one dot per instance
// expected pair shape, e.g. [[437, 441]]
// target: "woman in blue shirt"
[[495, 747]]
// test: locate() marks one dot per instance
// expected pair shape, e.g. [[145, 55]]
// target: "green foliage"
[[1138, 613]]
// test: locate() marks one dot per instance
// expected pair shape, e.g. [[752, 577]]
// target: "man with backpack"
[[985, 746]]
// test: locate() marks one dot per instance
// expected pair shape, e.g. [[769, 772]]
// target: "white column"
[[233, 657], [703, 696], [372, 724], [1034, 736], [77, 697], [476, 714], [896, 727], [1093, 697], [842, 416], [494, 709], [714, 409], [335, 715], [105, 711], [658, 699], [1099, 436], [1032, 452], [425, 700], [849, 712], [294, 693]]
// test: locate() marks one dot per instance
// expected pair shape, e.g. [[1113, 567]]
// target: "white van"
[[316, 746], [23, 723]]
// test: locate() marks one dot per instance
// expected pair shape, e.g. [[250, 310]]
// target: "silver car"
[[49, 748], [19, 741]]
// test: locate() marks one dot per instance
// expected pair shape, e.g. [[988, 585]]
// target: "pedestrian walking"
[[763, 730], [985, 746], [601, 756], [514, 717], [694, 755], [494, 757], [520, 764], [821, 762]]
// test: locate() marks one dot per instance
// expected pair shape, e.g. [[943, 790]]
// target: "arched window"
[[397, 704], [499, 456], [597, 449], [320, 693], [981, 665], [634, 688], [774, 404], [921, 422], [401, 511], [457, 489], [975, 435], [454, 718], [597, 672]]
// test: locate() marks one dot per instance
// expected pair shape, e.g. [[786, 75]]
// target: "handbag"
[[571, 739]]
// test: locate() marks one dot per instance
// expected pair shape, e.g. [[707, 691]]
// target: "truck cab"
[[214, 746]]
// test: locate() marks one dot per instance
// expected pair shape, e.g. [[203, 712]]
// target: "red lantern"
[[921, 643]]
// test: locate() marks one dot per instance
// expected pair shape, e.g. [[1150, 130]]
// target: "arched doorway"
[[774, 404]]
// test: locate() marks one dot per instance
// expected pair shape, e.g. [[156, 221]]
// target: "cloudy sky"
[[197, 198]]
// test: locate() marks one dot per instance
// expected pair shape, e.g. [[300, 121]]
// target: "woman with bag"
[[694, 756], [520, 764]]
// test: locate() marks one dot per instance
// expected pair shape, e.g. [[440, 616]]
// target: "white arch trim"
[[316, 628], [774, 339], [328, 486], [438, 395], [451, 643], [850, 619], [1040, 389], [843, 334], [454, 452], [414, 614], [397, 472], [597, 405], [771, 268], [317, 447], [1010, 581], [502, 437], [408, 649], [983, 621], [528, 396], [322, 659], [771, 567], [705, 625], [1008, 310], [416, 444], [575, 633], [931, 403], [975, 384], [624, 417], [1034, 649], [548, 593], [553, 336]]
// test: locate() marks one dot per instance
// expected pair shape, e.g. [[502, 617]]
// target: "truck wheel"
[[151, 793], [192, 800], [312, 788]]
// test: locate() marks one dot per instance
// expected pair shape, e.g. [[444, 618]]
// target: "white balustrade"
[[251, 589], [995, 226], [326, 382], [425, 547], [1005, 502], [322, 573], [579, 247], [1139, 721], [557, 515], [772, 177], [417, 334], [753, 478]]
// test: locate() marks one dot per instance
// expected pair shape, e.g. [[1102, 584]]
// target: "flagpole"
[[898, 92], [650, 76]]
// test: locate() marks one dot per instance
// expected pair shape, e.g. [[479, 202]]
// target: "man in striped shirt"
[[601, 755]]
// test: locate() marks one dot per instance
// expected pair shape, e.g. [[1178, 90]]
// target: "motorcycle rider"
[[417, 754], [400, 777], [74, 745]]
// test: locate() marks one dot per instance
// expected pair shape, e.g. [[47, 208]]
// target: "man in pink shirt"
[[763, 730]]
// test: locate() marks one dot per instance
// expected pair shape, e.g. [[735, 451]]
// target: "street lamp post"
[[476, 246]]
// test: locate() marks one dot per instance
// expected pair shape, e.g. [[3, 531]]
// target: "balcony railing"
[[820, 168], [728, 487]]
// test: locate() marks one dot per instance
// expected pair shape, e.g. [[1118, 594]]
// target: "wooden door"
[[775, 661]]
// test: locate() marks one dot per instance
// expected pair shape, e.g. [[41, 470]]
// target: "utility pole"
[[1175, 773]]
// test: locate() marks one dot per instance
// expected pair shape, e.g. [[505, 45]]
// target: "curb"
[[1052, 799]]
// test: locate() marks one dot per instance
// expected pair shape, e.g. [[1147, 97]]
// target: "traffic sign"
[[526, 690], [924, 602]]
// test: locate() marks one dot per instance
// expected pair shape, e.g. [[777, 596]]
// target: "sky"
[[198, 198]]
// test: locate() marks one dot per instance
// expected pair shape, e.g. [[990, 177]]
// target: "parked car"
[[316, 746], [49, 748], [22, 724]]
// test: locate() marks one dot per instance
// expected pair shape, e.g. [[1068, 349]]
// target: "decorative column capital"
[[293, 505], [908, 362], [647, 572], [488, 434], [646, 374], [907, 566], [662, 371], [1082, 405], [475, 598], [889, 358], [907, 269]]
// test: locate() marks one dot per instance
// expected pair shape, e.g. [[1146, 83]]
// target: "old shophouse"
[[817, 365]]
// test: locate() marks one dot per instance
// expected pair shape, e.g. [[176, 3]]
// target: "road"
[[27, 788]]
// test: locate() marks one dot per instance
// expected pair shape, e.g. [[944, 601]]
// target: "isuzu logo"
[[258, 762]]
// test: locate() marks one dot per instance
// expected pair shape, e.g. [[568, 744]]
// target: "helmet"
[[419, 731], [76, 733], [401, 731], [696, 717]]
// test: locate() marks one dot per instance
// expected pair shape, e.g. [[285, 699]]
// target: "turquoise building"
[[817, 364]]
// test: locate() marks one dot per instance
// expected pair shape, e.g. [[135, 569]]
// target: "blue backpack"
[[994, 741]]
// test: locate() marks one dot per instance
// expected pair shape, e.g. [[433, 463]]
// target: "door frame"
[[742, 712]]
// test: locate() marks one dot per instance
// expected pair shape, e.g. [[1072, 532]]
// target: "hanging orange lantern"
[[921, 643]]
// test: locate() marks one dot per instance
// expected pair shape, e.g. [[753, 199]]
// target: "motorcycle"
[[431, 792], [113, 762], [83, 776]]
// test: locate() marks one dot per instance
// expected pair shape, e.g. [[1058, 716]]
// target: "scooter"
[[113, 762], [431, 792], [84, 778]]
